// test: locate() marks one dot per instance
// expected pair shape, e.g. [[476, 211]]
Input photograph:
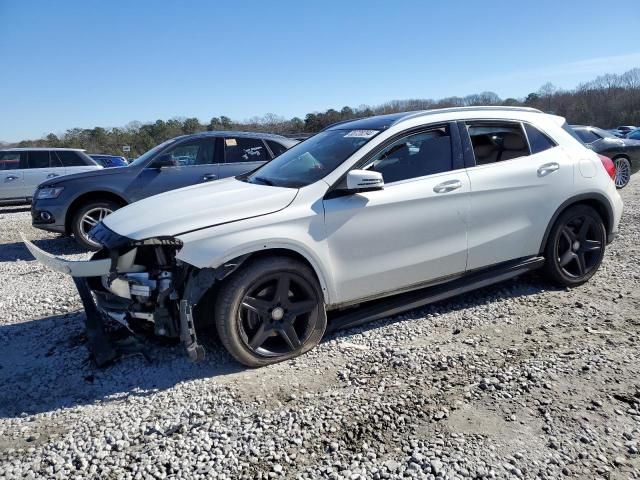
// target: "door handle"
[[51, 175], [10, 178], [209, 176], [448, 186], [548, 168]]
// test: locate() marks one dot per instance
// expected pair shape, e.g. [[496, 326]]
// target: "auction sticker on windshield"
[[361, 133]]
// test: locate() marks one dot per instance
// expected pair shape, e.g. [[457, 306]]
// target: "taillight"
[[608, 166]]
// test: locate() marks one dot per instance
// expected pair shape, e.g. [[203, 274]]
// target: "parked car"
[[625, 153], [354, 223], [633, 134], [74, 204], [22, 169], [109, 161], [625, 129]]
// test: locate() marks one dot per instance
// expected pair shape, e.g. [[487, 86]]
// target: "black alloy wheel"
[[576, 246], [269, 311]]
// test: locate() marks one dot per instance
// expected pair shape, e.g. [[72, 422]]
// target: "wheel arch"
[[595, 200], [77, 203]]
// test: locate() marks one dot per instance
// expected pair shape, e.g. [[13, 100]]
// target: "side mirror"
[[165, 160], [364, 181]]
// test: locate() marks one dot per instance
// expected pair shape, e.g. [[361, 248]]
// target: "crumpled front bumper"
[[112, 285]]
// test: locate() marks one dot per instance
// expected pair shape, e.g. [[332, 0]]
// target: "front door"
[[410, 233], [187, 163]]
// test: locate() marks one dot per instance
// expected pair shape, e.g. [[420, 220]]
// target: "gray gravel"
[[519, 380]]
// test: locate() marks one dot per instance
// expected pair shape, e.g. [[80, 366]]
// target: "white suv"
[[23, 169], [366, 218]]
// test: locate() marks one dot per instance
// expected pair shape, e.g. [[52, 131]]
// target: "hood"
[[102, 172], [198, 206]]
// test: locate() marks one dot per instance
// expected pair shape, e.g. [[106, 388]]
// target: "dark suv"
[[75, 203]]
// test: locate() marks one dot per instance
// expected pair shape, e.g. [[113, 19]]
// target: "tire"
[[623, 171], [256, 319], [575, 247], [87, 216]]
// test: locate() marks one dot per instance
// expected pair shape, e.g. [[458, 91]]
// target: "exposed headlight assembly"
[[46, 193]]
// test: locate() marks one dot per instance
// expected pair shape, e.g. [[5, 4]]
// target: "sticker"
[[230, 142], [361, 133]]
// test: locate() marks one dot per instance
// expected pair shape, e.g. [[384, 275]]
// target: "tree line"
[[608, 101]]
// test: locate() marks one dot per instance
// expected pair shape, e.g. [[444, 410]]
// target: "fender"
[[284, 244], [592, 196]]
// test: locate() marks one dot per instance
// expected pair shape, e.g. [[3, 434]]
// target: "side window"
[[9, 160], [497, 141], [70, 158], [417, 155], [276, 148], [538, 141], [38, 159], [197, 152], [587, 136], [245, 150], [54, 159]]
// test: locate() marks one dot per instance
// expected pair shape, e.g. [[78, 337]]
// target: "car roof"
[[22, 149], [226, 133], [382, 122]]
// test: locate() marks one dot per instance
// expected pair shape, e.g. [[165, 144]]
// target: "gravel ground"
[[520, 380]]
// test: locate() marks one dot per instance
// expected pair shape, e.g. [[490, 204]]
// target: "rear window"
[[586, 136], [538, 141], [276, 148], [572, 132], [38, 159], [69, 158]]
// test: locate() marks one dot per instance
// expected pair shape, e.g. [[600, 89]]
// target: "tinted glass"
[[70, 159], [309, 161], [635, 135], [586, 136], [142, 159], [598, 132], [424, 153], [245, 150], [38, 159], [496, 142], [9, 160], [196, 152], [276, 148], [538, 141]]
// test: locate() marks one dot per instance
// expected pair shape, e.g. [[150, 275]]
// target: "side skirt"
[[390, 306]]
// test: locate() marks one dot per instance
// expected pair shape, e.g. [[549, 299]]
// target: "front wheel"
[[88, 217], [269, 311], [575, 247]]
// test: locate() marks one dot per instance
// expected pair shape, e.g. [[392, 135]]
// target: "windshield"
[[141, 160], [311, 160]]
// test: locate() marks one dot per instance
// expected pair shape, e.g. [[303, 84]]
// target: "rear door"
[[40, 168], [190, 162], [12, 175], [74, 161], [519, 177], [242, 155]]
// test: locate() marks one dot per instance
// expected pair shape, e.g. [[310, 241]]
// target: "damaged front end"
[[140, 284]]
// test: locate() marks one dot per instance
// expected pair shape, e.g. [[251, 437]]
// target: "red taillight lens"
[[608, 166]]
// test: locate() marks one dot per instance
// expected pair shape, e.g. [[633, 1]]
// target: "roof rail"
[[466, 109]]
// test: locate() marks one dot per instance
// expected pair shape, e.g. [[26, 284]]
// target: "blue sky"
[[104, 63]]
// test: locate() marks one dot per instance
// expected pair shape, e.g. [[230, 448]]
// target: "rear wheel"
[[623, 171], [87, 217], [270, 311], [575, 247]]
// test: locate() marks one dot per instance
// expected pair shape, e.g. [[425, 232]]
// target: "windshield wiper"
[[265, 181]]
